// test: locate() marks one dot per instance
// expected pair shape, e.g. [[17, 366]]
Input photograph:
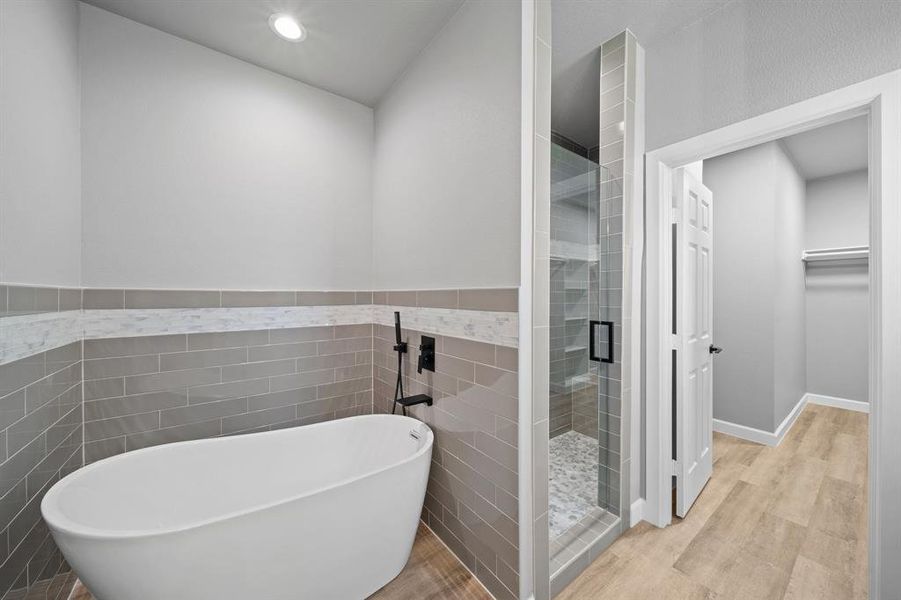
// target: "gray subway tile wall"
[[101, 397], [499, 300], [40, 442], [143, 391], [488, 299], [135, 299], [20, 300], [17, 300], [238, 299], [471, 500], [94, 299], [325, 298], [617, 135]]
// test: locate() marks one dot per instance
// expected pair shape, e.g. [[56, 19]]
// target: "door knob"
[[714, 350]]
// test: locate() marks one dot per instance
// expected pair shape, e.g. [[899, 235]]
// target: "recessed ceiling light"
[[287, 27]]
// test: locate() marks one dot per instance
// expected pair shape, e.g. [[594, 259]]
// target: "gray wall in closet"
[[837, 293], [758, 286]]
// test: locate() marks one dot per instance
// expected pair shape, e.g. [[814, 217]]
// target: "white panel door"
[[693, 212]]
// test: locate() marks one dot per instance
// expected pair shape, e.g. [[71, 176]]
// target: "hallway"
[[787, 522]]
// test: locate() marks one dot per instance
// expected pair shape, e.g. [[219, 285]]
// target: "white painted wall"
[[447, 154], [203, 171], [751, 57], [837, 293], [758, 286], [40, 163]]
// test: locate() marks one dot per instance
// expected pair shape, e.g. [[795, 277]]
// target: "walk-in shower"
[[585, 287], [593, 162]]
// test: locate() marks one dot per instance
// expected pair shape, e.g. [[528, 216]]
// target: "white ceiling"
[[830, 150], [580, 27], [354, 48]]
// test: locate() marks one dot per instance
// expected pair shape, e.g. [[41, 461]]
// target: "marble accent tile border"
[[494, 327], [25, 335]]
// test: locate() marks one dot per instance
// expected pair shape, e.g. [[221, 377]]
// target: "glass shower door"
[[574, 301], [583, 468]]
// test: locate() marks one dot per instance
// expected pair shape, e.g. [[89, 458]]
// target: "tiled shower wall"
[[143, 390], [40, 442], [618, 85], [471, 502]]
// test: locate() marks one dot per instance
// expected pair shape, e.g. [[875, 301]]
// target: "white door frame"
[[880, 98]]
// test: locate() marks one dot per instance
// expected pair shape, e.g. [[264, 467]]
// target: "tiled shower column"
[[619, 59]]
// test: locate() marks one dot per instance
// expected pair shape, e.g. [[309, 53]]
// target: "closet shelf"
[[832, 254]]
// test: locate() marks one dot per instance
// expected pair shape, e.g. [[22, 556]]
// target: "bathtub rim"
[[59, 522]]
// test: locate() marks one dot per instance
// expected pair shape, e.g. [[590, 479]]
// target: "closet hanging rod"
[[845, 253]]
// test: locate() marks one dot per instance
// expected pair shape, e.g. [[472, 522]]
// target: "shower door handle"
[[592, 341]]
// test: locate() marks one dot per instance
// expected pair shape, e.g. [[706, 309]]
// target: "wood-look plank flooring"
[[787, 522], [432, 572]]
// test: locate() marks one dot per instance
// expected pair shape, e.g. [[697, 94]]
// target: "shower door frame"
[[880, 98]]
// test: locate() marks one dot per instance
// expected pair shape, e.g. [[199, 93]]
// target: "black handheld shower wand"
[[397, 329], [400, 347]]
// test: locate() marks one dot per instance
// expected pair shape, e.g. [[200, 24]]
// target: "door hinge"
[[675, 465]]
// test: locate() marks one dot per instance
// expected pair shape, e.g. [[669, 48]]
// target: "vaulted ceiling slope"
[[354, 48]]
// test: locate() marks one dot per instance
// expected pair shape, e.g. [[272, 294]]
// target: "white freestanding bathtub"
[[323, 511]]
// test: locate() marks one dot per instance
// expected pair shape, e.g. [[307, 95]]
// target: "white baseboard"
[[790, 419], [744, 432], [636, 512], [774, 439], [855, 405], [760, 436]]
